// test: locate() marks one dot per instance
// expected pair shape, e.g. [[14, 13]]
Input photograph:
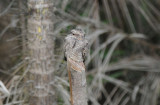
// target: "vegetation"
[[122, 63]]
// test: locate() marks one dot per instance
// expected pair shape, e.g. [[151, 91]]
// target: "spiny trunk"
[[40, 50]]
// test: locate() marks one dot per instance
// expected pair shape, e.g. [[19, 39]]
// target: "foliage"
[[123, 61]]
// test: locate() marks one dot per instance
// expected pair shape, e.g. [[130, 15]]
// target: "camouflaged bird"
[[76, 47]]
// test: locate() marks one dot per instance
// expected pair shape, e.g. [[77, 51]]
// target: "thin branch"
[[6, 10]]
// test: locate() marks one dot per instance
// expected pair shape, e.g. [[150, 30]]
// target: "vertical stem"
[[78, 86], [23, 26], [40, 51], [96, 43]]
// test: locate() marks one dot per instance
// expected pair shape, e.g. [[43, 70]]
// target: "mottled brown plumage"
[[75, 49]]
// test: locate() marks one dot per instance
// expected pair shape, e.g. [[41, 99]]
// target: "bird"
[[75, 48]]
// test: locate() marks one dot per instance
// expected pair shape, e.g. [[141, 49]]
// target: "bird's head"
[[78, 32]]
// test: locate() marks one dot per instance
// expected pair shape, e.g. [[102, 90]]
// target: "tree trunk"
[[40, 51]]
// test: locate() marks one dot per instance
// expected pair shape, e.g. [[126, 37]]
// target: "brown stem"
[[78, 92]]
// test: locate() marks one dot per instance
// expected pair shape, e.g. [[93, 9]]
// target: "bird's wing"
[[77, 66], [85, 50]]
